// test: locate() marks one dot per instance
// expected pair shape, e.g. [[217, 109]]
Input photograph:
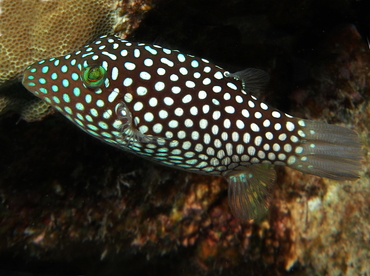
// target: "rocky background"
[[71, 205]]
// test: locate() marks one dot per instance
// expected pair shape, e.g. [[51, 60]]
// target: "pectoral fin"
[[250, 191]]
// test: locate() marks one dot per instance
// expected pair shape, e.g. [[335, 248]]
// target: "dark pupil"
[[94, 74]]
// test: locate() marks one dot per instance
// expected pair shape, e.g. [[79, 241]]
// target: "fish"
[[185, 112]]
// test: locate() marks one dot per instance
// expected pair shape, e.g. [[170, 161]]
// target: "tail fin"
[[328, 150]]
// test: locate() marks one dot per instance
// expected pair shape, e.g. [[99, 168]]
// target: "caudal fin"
[[328, 150]]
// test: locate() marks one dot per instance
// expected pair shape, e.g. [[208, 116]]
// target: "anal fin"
[[250, 191]]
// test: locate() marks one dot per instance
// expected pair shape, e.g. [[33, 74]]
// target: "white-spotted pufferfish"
[[187, 113]]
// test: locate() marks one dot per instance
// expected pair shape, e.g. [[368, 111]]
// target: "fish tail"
[[327, 150]]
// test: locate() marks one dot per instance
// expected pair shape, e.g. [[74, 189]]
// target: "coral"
[[33, 30]]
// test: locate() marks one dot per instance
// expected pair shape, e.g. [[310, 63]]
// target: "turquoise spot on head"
[[64, 68], [42, 80], [54, 76], [33, 70], [54, 88], [74, 76], [94, 76], [45, 69], [65, 82]]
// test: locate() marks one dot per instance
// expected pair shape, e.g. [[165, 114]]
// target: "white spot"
[[216, 89], [143, 129], [266, 123], [161, 71], [199, 148], [215, 102], [277, 126], [269, 135], [276, 147], [127, 82], [207, 69], [230, 109], [163, 114], [203, 123], [148, 116], [235, 136], [282, 137], [166, 51], [258, 141], [251, 104], [299, 150], [207, 138], [173, 124], [216, 115], [217, 143], [138, 106], [202, 94], [153, 102], [190, 84], [291, 160], [206, 81], [215, 129], [186, 145], [194, 110], [159, 86], [167, 62], [107, 114], [114, 73], [129, 65], [281, 156], [195, 135], [168, 101], [179, 111], [255, 127], [113, 95], [136, 53], [157, 128], [218, 75], [174, 77], [187, 99], [287, 148], [261, 154], [145, 75], [141, 90], [294, 139], [245, 113], [239, 149], [301, 133], [239, 99], [124, 53], [246, 138], [181, 134], [148, 62], [128, 97], [276, 114], [197, 75], [183, 71], [227, 123], [181, 57], [271, 156], [150, 50], [188, 123], [251, 150], [232, 86], [301, 123], [258, 115], [205, 108], [113, 57], [266, 147], [240, 124], [175, 89], [290, 126], [264, 106], [194, 63], [227, 96]]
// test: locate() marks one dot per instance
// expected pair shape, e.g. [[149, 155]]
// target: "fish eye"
[[94, 76]]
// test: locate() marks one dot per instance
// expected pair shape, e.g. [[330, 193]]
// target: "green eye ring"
[[94, 76]]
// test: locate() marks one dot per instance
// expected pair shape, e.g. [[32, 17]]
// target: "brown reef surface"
[[72, 205]]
